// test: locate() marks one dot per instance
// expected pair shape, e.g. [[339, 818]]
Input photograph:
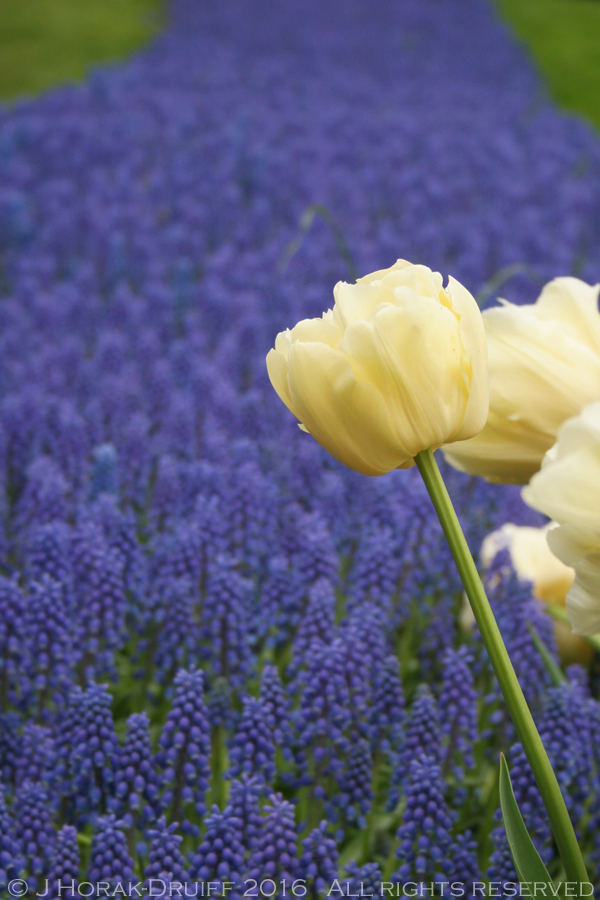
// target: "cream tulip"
[[399, 365], [568, 490], [550, 578], [544, 363], [532, 560]]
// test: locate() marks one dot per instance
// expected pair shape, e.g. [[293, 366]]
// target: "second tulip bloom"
[[544, 367]]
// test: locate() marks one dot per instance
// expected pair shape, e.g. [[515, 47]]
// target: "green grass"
[[48, 42], [563, 37]]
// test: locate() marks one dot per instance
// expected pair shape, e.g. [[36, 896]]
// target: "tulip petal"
[[425, 401], [346, 417], [325, 330], [532, 558], [544, 364], [570, 544], [575, 303], [583, 600], [541, 371], [472, 332], [380, 273], [562, 490], [356, 302], [567, 488], [277, 367], [580, 431], [506, 452]]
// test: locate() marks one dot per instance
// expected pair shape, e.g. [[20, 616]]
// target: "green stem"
[[218, 764], [562, 828]]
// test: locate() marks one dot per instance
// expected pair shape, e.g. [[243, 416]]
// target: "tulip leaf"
[[528, 863], [306, 220], [555, 672], [505, 274]]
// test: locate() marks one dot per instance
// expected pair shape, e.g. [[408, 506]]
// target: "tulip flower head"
[[567, 488], [532, 560], [544, 367], [550, 578], [399, 365]]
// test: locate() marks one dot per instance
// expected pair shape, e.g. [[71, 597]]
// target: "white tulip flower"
[[544, 363], [567, 489], [399, 365]]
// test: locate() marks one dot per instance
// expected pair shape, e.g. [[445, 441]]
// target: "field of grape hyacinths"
[[224, 657]]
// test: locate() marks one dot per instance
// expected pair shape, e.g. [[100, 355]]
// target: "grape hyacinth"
[[166, 863], [318, 863], [46, 553], [458, 707], [99, 599], [276, 707], [318, 622], [514, 606], [174, 615], [37, 755], [567, 735], [44, 498], [375, 573], [387, 712], [48, 652], [220, 856], [185, 750], [12, 609], [104, 477], [252, 749], [421, 735], [324, 716], [10, 853], [65, 736], [275, 855], [63, 877], [95, 755], [355, 794], [363, 880], [10, 747], [243, 808], [501, 866], [136, 780], [110, 861], [225, 622], [34, 832], [425, 842]]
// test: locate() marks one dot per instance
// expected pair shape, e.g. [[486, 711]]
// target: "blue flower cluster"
[[222, 656]]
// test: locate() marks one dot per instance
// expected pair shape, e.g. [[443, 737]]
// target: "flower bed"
[[198, 608]]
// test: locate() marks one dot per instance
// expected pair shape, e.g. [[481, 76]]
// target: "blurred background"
[[44, 43]]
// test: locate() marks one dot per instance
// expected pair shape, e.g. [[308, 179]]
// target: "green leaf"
[[528, 864], [553, 670]]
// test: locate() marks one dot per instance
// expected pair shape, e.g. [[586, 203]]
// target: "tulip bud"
[[544, 363], [399, 365], [550, 578], [567, 489]]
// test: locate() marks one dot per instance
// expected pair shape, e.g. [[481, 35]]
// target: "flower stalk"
[[547, 783]]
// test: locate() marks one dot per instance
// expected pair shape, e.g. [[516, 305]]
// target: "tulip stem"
[[560, 822]]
